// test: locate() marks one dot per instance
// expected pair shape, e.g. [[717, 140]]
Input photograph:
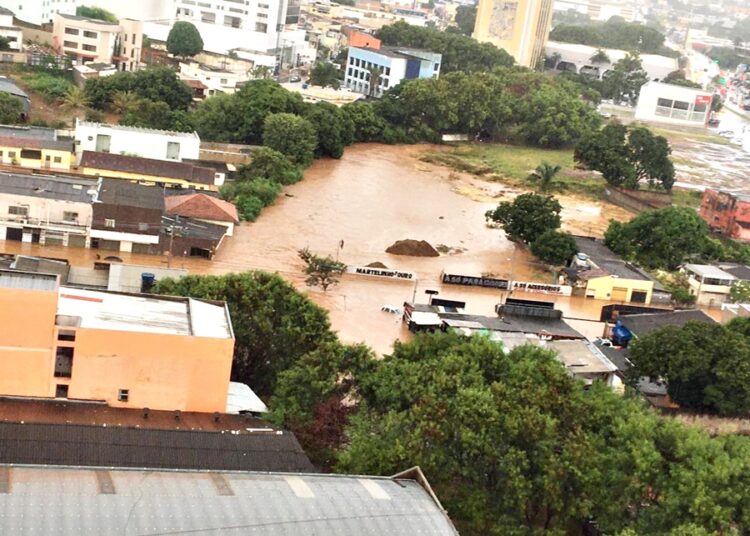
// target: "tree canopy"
[[184, 40], [614, 33], [706, 366], [158, 84], [10, 109], [326, 74], [97, 13], [466, 16], [554, 247], [527, 217], [627, 156], [623, 83], [291, 135]]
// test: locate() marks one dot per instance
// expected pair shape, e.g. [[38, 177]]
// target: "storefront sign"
[[381, 272], [543, 288], [489, 282], [703, 99]]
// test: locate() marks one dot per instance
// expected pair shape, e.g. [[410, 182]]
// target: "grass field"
[[513, 165]]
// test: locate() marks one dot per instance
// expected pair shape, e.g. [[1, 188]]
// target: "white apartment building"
[[144, 10], [13, 34], [134, 141], [215, 79], [39, 11], [90, 40]]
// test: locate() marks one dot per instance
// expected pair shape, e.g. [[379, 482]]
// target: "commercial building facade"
[[122, 349], [394, 65], [91, 40], [134, 141], [521, 27], [674, 105]]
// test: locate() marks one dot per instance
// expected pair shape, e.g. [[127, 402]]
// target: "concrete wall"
[[637, 200], [601, 288], [145, 143]]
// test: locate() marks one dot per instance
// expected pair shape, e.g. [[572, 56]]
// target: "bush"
[[554, 247], [51, 87]]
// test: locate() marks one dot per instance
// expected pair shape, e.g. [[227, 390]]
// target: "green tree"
[[274, 325], [465, 19], [184, 40], [219, 119], [256, 100], [75, 99], [544, 175], [325, 74], [125, 101], [664, 238], [624, 81], [333, 128], [367, 124], [157, 115], [740, 292], [154, 84], [11, 109], [374, 75], [527, 217], [649, 155], [600, 57], [5, 43], [321, 272], [614, 33], [706, 366], [96, 13], [554, 247], [269, 164], [292, 136], [250, 195]]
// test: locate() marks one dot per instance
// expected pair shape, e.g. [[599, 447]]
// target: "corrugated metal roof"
[[110, 162], [61, 501], [48, 187], [27, 281]]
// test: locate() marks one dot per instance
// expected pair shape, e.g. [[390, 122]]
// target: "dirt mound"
[[413, 248], [377, 264]]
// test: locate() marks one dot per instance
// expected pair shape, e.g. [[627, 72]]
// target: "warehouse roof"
[[643, 324], [47, 187], [79, 500], [148, 167], [130, 194]]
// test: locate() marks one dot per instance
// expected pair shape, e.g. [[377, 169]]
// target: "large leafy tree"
[[158, 84], [256, 100], [274, 325], [326, 74], [615, 33], [465, 18], [627, 156], [554, 247], [706, 366], [292, 136], [624, 81], [333, 127], [664, 238], [269, 164], [527, 217], [184, 40], [98, 13]]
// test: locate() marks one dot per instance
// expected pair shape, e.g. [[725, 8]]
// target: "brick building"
[[727, 213]]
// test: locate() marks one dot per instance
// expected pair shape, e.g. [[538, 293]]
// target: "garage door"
[[53, 240], [110, 245], [14, 234], [76, 241], [619, 294], [142, 248]]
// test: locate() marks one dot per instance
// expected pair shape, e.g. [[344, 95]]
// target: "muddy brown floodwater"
[[372, 197]]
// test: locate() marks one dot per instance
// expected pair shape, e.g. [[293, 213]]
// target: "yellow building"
[[619, 289], [35, 148], [521, 27], [149, 171], [126, 350]]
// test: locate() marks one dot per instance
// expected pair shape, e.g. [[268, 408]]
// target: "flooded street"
[[372, 197]]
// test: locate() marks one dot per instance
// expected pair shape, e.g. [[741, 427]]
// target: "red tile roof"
[[202, 207]]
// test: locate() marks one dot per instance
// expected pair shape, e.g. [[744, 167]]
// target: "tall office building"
[[520, 27]]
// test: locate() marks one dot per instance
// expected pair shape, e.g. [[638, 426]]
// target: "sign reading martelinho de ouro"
[[381, 272], [505, 284]]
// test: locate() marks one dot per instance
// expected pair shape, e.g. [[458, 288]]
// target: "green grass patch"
[[682, 197], [675, 135], [513, 164]]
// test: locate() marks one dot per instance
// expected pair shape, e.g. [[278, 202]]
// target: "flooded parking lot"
[[372, 197]]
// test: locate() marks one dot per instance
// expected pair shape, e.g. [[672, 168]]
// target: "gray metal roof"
[[61, 501], [60, 188], [27, 281], [7, 86]]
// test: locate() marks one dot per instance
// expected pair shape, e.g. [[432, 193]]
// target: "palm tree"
[[544, 175], [375, 74], [600, 57], [124, 102], [75, 99]]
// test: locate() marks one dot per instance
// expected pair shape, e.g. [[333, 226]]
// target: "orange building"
[[727, 213], [363, 40], [127, 350]]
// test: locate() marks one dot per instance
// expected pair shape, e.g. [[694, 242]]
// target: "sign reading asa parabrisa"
[[381, 272]]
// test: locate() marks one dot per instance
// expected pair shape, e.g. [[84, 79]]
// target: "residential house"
[[393, 64], [135, 141], [9, 31], [127, 217], [149, 171], [215, 79], [640, 325], [727, 213], [79, 500], [585, 361], [35, 147], [203, 207], [709, 284], [98, 41], [125, 350], [46, 210], [602, 275], [68, 432], [186, 237]]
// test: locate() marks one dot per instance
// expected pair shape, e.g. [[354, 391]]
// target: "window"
[[90, 35], [89, 48], [123, 395], [71, 31], [70, 216], [681, 105], [66, 335], [57, 159], [133, 39], [109, 223], [61, 391], [208, 17], [232, 22], [11, 154], [261, 27], [64, 362], [70, 44], [18, 211], [223, 81], [664, 102], [143, 226], [31, 154], [173, 150]]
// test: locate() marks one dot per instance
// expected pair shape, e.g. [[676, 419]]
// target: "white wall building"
[[676, 105], [134, 141], [144, 10], [39, 11], [215, 79], [12, 33]]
